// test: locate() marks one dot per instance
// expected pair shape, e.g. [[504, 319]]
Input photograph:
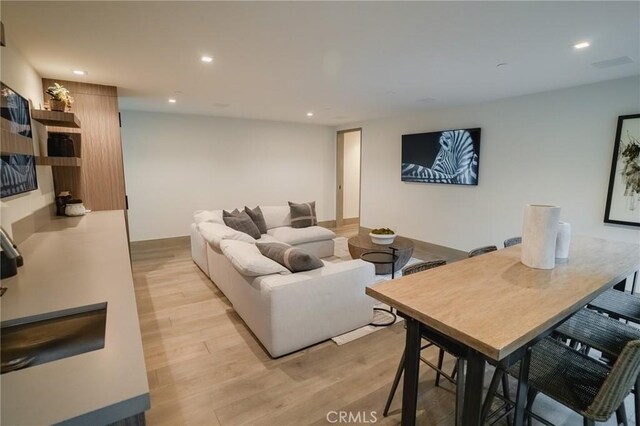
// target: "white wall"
[[554, 147], [18, 74], [176, 164], [351, 193]]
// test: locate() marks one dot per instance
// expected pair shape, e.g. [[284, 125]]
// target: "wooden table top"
[[364, 242], [495, 304]]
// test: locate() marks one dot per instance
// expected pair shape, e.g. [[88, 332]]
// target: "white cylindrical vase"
[[563, 241], [539, 233]]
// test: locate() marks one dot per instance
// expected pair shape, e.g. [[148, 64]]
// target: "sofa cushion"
[[248, 260], [303, 214], [214, 233], [240, 221], [258, 218], [295, 236], [276, 216], [294, 259], [214, 216]]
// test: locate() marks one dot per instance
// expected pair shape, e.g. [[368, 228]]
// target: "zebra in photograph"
[[456, 162]]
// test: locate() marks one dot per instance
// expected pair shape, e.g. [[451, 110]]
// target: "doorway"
[[349, 149]]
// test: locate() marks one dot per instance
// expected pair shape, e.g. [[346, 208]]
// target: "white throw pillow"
[[215, 233], [276, 216], [248, 260], [214, 216]]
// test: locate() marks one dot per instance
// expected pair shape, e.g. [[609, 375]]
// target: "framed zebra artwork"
[[449, 156], [623, 197]]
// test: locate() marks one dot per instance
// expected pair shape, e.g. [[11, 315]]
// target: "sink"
[[58, 336]]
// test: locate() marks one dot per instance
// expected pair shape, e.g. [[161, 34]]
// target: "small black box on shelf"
[[60, 145]]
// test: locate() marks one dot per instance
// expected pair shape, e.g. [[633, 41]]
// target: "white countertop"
[[72, 263]]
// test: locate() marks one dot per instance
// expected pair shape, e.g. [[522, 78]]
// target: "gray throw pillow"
[[303, 214], [241, 221], [294, 259], [258, 218]]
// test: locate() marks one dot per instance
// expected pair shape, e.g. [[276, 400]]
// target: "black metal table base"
[[386, 324]]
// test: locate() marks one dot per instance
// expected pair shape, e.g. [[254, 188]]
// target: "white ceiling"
[[345, 61]]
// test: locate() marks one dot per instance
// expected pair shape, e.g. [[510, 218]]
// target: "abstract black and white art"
[[450, 156], [17, 174], [14, 110], [17, 171], [623, 197]]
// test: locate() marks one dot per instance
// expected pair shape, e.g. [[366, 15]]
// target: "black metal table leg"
[[393, 264], [523, 388], [411, 372], [460, 388], [473, 389]]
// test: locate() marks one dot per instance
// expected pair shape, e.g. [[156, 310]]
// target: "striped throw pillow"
[[292, 258], [303, 214]]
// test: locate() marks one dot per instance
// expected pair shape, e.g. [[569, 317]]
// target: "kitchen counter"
[[71, 264]]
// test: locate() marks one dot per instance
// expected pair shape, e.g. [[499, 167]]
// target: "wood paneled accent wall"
[[99, 182]]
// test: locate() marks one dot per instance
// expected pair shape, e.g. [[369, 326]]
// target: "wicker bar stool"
[[603, 334], [583, 384], [482, 250], [619, 304], [512, 241]]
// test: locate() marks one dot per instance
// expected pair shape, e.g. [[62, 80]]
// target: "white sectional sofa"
[[285, 311]]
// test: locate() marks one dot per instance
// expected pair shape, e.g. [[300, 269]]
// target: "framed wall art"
[[623, 197]]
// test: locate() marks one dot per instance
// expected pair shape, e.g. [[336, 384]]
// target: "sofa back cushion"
[[214, 233], [276, 216], [303, 214], [214, 216], [257, 217], [294, 259], [248, 260], [240, 221]]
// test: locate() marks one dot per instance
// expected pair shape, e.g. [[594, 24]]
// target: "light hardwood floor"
[[206, 368]]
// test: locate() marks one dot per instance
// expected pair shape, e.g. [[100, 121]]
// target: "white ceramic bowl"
[[383, 239]]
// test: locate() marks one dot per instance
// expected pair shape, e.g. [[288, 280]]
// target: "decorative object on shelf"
[[383, 236], [450, 156], [60, 145], [623, 197], [61, 202], [539, 234], [74, 208], [563, 241], [60, 98]]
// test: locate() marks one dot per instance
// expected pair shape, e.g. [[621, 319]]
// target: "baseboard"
[[351, 221], [161, 242], [23, 228], [327, 224], [448, 253]]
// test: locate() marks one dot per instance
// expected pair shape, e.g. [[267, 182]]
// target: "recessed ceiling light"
[[502, 64], [172, 101], [310, 114], [581, 45], [79, 72], [206, 59]]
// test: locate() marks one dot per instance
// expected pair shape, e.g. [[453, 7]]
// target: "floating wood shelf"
[[59, 161], [55, 118], [15, 144]]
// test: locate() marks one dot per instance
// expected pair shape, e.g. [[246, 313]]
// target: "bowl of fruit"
[[382, 236]]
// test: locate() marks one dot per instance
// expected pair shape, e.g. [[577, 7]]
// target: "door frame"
[[340, 175]]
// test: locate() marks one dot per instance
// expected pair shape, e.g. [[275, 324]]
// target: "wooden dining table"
[[494, 308]]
